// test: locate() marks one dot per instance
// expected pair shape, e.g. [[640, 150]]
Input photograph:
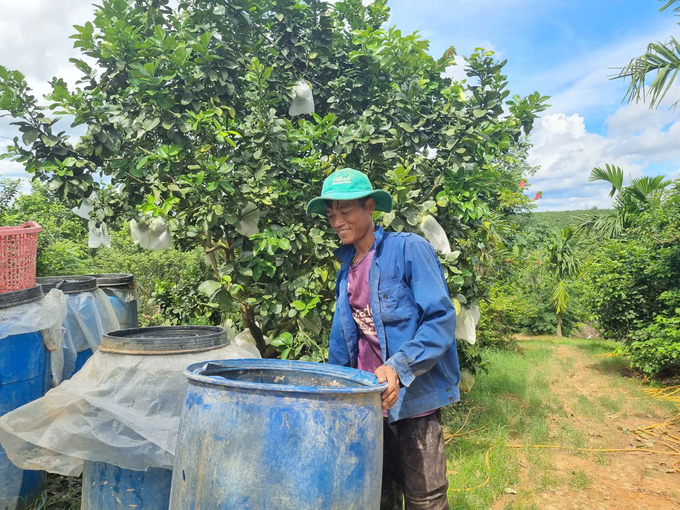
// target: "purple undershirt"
[[358, 290]]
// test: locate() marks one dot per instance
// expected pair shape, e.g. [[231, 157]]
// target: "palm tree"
[[563, 263], [662, 58], [629, 202]]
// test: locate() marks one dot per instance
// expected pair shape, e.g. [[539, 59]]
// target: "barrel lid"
[[20, 297], [164, 340], [67, 284], [114, 279]]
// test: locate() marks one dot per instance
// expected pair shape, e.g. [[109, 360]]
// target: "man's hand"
[[391, 394]]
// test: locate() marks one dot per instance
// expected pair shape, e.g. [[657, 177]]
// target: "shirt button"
[[450, 399], [448, 389], [384, 296]]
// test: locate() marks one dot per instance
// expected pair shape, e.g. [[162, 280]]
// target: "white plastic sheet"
[[433, 232], [89, 317], [303, 103], [466, 324], [125, 294], [98, 235], [250, 217], [119, 409], [45, 315], [154, 236], [85, 207], [467, 381], [246, 341]]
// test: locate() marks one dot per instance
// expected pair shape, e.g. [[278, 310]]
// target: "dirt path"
[[603, 409]]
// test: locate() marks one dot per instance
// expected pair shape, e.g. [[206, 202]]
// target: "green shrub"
[[632, 280], [656, 348], [500, 317], [542, 319], [629, 282], [64, 257], [167, 281]]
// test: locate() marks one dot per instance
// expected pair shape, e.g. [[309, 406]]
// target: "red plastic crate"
[[18, 247]]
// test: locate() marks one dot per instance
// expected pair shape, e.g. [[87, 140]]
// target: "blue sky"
[[564, 49]]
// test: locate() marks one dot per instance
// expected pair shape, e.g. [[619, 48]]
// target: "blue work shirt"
[[414, 318]]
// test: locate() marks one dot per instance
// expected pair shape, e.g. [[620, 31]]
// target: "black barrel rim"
[[164, 340], [20, 297], [67, 284], [114, 279]]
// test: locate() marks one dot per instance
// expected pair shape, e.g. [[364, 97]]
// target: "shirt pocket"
[[395, 302]]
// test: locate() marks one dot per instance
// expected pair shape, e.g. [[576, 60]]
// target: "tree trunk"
[[559, 325]]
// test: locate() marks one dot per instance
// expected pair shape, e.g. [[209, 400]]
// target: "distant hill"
[[539, 226], [554, 219]]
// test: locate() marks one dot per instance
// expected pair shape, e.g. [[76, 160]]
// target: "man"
[[394, 317]]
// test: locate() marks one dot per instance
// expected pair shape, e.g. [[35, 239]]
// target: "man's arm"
[[436, 333]]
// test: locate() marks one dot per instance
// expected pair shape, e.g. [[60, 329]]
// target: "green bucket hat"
[[349, 184]]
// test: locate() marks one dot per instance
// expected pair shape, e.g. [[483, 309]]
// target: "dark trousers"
[[414, 465]]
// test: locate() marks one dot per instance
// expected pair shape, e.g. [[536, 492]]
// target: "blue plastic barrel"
[[24, 377], [108, 487], [120, 288], [286, 435], [81, 320]]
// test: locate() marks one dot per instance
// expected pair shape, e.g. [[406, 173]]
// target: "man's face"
[[350, 220]]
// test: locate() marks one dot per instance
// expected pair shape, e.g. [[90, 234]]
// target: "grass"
[[61, 493], [512, 396], [589, 409], [512, 402], [579, 480]]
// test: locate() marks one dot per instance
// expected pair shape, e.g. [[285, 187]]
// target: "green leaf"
[[55, 184], [187, 98], [30, 136], [50, 141], [209, 288], [479, 113], [387, 219], [411, 214], [150, 124]]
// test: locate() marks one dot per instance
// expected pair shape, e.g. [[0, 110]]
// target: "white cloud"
[[457, 72], [35, 40], [567, 152], [35, 34]]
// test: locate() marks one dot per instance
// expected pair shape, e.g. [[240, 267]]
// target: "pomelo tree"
[[187, 117]]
